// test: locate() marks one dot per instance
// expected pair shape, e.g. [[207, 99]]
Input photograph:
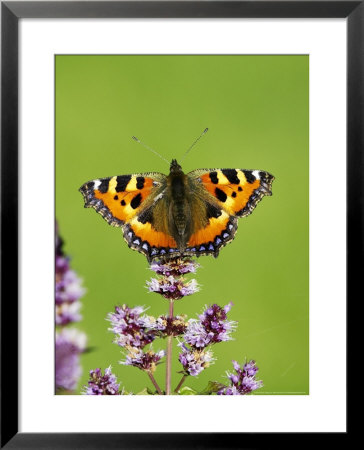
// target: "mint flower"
[[171, 284], [243, 381], [70, 343], [134, 330], [128, 327], [174, 267], [68, 313], [194, 361], [100, 384], [172, 287], [189, 288], [144, 361], [68, 284], [213, 327], [68, 288], [165, 326]]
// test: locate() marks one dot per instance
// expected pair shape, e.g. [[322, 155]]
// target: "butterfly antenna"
[[204, 132], [148, 148]]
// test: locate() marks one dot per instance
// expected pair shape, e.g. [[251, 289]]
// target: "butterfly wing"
[[223, 196], [137, 204]]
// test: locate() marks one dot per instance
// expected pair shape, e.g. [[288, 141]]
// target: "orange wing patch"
[[154, 238], [145, 239], [237, 191], [208, 234], [117, 199]]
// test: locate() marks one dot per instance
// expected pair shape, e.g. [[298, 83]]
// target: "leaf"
[[212, 388], [187, 391], [146, 391]]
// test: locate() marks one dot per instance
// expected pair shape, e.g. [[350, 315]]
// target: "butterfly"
[[176, 215]]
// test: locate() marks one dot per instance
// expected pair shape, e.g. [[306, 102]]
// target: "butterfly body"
[[178, 214]]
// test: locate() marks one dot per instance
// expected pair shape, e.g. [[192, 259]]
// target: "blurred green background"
[[256, 108]]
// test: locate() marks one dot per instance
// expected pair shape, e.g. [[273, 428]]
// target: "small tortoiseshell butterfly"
[[179, 214]]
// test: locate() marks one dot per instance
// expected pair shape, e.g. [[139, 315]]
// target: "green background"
[[256, 108]]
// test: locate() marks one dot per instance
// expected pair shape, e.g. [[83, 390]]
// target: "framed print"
[[205, 285]]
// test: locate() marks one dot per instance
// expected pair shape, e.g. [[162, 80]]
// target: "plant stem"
[[169, 353], [155, 383], [180, 383]]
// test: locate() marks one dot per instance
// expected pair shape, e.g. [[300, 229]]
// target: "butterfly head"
[[175, 167]]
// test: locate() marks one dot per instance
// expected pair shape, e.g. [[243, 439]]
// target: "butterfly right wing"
[[224, 196]]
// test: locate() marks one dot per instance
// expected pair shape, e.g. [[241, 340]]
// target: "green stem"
[[180, 383], [155, 383], [169, 353]]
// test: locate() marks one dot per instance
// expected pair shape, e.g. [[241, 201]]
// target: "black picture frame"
[[11, 12]]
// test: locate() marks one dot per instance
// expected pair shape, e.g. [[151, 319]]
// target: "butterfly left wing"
[[226, 195], [118, 199], [135, 203]]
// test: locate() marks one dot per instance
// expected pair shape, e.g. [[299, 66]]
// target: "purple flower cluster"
[[171, 283], [68, 289], [174, 267], [70, 343], [165, 326], [133, 332], [194, 361], [146, 361], [129, 328], [211, 328], [172, 288], [100, 384], [243, 381]]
